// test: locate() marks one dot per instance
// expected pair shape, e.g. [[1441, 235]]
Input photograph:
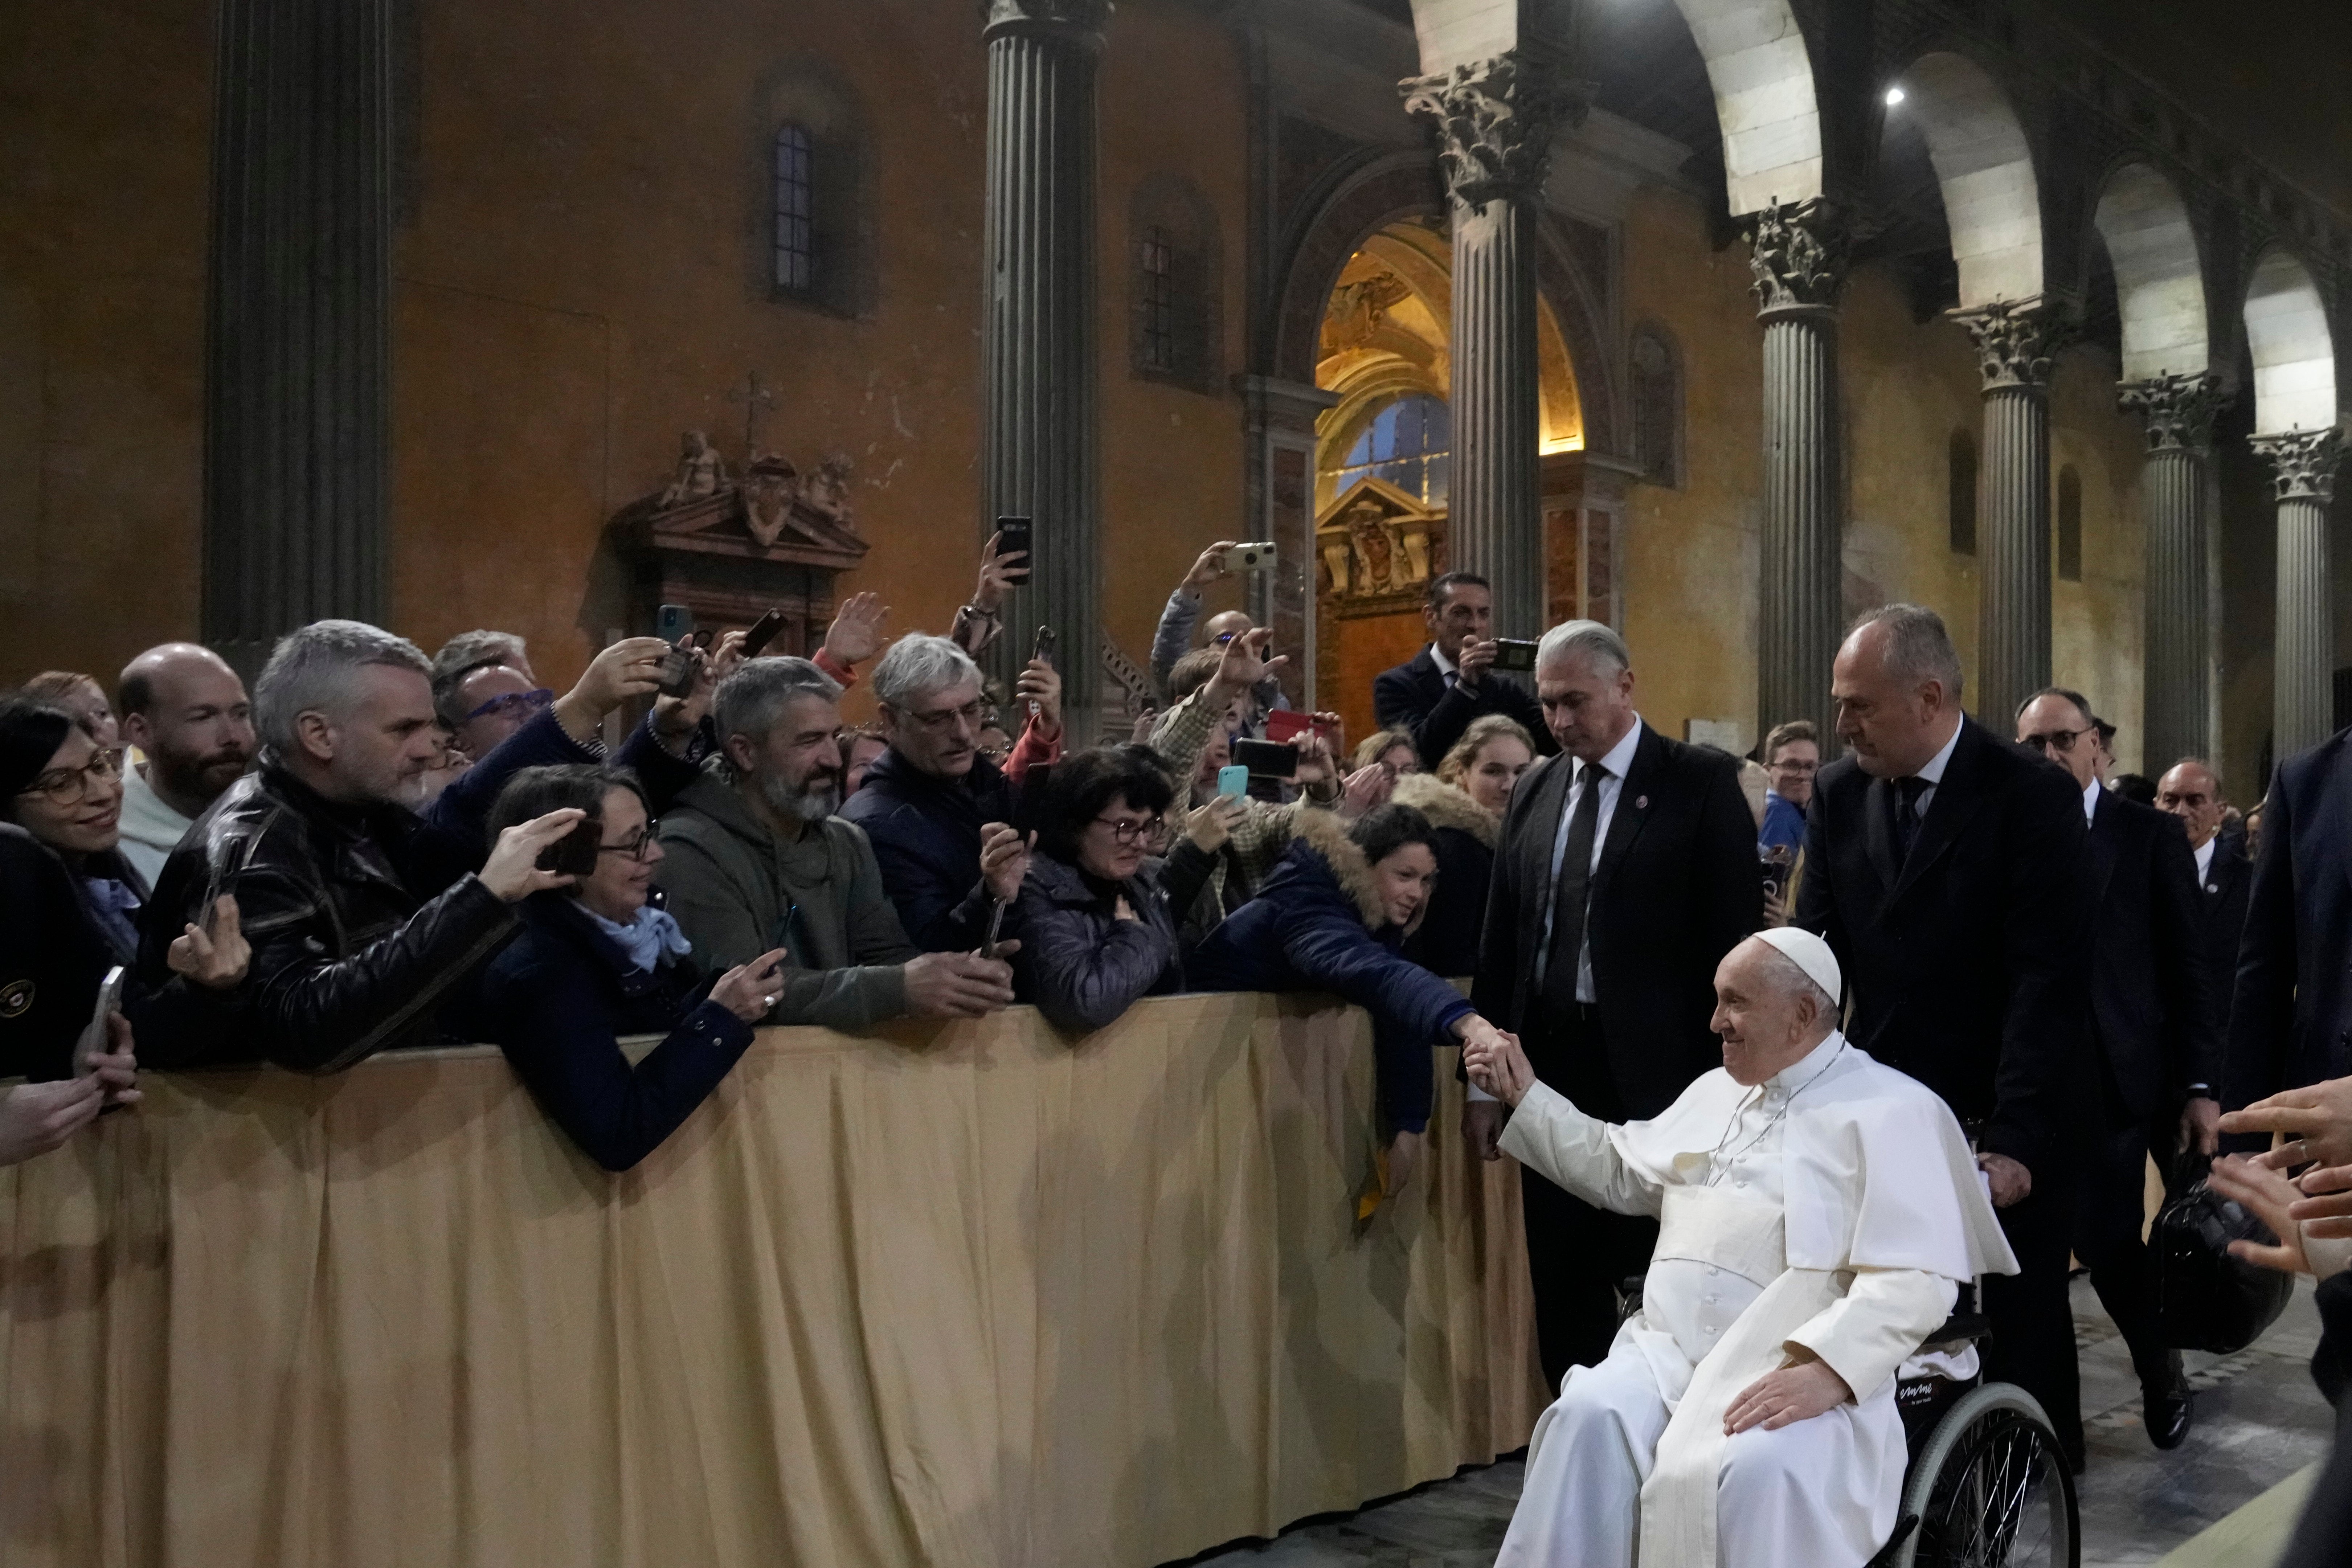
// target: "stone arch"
[[2288, 339], [2160, 279], [1993, 199], [1763, 77]]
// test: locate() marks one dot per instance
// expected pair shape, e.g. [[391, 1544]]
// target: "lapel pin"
[[1640, 802]]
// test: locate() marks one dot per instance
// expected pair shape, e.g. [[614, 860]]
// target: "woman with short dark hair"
[[1331, 918], [599, 959], [1095, 927]]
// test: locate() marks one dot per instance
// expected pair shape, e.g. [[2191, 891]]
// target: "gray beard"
[[812, 803]]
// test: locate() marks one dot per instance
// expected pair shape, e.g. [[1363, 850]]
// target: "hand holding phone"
[[1267, 759], [763, 632], [1233, 780], [574, 854], [95, 1035], [1255, 556], [1016, 536], [1515, 653], [674, 623]]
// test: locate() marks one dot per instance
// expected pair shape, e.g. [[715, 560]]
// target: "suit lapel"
[[1535, 846], [1633, 810], [1957, 800], [2105, 850], [1877, 807]]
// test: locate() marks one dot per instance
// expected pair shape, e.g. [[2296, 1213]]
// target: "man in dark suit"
[[2290, 1017], [2156, 1020], [1434, 695], [2224, 876], [1947, 871], [1625, 869]]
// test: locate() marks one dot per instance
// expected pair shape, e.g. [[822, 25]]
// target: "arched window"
[[1156, 296], [2070, 524], [1657, 406], [1407, 444], [1963, 494], [1173, 320], [795, 210]]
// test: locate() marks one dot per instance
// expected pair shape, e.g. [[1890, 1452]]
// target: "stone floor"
[[2259, 1420]]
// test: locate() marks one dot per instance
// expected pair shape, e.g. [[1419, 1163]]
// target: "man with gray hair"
[[938, 813], [1624, 870], [756, 859], [1949, 872]]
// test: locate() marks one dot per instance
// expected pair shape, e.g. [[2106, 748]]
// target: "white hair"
[[1789, 977], [1918, 647], [316, 670], [917, 664], [1590, 639]]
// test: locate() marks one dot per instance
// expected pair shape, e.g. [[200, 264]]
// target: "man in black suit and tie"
[[1948, 872], [1434, 695], [1625, 869], [2290, 1017], [2155, 1018], [2224, 876]]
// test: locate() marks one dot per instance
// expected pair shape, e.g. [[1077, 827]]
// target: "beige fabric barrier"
[[963, 1295]]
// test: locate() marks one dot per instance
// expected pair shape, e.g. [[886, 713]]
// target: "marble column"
[[1494, 121], [2014, 343], [2176, 644], [1799, 257], [1041, 445], [298, 307], [2303, 672]]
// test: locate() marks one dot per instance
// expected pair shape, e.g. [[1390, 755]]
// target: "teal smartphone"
[[1233, 780]]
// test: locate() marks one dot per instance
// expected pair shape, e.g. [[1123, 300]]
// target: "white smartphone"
[[93, 1035]]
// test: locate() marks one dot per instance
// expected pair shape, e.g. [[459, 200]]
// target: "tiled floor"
[[2259, 1420]]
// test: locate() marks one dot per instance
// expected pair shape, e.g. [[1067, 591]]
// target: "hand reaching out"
[[2269, 1197], [856, 635], [2316, 1123], [1244, 663]]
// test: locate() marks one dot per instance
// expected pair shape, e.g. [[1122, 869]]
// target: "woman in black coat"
[[70, 905], [598, 959], [1464, 801], [1093, 916]]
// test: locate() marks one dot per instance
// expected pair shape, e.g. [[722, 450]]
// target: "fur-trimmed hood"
[[1448, 805], [1323, 834]]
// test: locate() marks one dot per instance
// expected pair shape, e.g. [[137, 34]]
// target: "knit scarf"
[[650, 935]]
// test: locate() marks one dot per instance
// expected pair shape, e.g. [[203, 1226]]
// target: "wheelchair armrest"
[[1960, 1330]]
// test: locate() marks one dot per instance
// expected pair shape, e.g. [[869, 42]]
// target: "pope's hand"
[[1494, 1060], [1792, 1394], [2011, 1183]]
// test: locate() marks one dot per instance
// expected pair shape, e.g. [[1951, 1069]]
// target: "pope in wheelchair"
[[1818, 1215]]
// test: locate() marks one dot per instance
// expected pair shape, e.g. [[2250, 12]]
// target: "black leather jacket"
[[360, 920]]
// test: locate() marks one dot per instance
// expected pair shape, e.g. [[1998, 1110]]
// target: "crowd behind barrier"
[[957, 1294]]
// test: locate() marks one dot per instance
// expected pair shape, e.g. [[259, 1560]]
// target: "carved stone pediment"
[[1377, 548], [769, 510]]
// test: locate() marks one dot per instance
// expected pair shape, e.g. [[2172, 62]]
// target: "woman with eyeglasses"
[[71, 904], [599, 958], [1096, 933]]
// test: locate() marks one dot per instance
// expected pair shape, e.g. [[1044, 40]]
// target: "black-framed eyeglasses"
[[1787, 766], [1129, 829], [2062, 740], [70, 786], [524, 703], [636, 846]]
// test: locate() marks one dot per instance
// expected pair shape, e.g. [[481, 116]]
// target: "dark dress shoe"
[[2167, 1413]]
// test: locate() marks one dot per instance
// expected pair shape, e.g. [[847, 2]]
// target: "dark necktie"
[[1907, 815], [1573, 891]]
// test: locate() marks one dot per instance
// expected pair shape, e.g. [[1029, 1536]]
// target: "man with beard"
[[755, 860], [184, 708]]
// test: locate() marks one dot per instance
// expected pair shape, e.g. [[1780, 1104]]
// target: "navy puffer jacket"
[[1316, 926], [1078, 961]]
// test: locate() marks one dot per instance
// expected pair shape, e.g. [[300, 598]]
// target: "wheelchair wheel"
[[1990, 1488]]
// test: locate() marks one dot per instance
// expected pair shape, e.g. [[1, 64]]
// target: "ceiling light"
[[1894, 96]]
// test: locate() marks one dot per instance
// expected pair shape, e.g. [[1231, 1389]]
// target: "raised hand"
[[1477, 659], [856, 635], [512, 871], [1000, 574], [1367, 787], [630, 667], [1040, 685], [1211, 567], [1246, 664], [215, 960]]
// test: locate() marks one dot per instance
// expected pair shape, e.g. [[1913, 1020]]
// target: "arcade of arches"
[[1670, 315]]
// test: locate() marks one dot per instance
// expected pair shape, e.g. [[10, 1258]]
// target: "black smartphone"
[[674, 623], [1515, 653], [574, 854], [1015, 533], [763, 632], [1267, 759], [995, 926], [1043, 647]]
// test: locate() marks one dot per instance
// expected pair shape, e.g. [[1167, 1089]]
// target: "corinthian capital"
[[1799, 257], [2180, 409], [1083, 20], [1494, 121], [2302, 462], [2015, 340]]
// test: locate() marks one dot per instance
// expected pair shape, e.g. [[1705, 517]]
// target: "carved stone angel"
[[701, 471], [826, 491]]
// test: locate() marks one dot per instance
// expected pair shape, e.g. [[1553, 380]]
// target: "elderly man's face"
[[1768, 1024], [938, 733], [2063, 734], [493, 703], [2192, 794], [1895, 727], [1588, 703]]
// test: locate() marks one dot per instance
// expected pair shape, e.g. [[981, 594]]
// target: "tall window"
[[1407, 444], [1158, 290], [795, 203], [1657, 406], [1963, 499], [2070, 524]]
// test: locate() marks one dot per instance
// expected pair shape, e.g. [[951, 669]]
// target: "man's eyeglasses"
[[636, 847], [516, 703], [1791, 766], [1129, 829], [70, 786], [2062, 740]]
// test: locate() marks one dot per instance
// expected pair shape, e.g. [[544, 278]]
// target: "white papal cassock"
[[1835, 1207]]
